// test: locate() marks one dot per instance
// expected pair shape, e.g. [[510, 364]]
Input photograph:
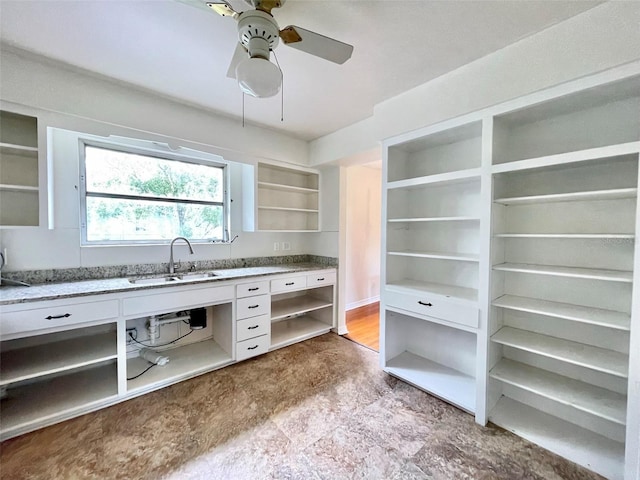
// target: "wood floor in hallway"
[[363, 324]]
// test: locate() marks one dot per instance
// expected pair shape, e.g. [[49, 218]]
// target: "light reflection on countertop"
[[55, 291]]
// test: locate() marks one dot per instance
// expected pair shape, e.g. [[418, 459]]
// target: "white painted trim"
[[362, 303]]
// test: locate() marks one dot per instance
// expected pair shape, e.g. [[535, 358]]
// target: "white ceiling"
[[183, 52]]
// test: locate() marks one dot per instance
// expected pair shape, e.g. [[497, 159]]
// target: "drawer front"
[[252, 347], [57, 315], [286, 284], [435, 306], [252, 327], [250, 289], [252, 306], [168, 300], [319, 279]]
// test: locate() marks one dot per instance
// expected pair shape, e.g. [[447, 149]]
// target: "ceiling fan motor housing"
[[258, 32]]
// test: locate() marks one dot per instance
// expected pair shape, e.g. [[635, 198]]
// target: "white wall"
[[363, 213], [601, 38], [73, 100]]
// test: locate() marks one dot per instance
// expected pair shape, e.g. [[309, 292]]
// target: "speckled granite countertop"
[[54, 291]]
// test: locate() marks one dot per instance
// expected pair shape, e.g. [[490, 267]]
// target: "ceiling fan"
[[258, 35]]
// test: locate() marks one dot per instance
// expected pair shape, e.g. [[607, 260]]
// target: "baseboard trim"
[[362, 303]]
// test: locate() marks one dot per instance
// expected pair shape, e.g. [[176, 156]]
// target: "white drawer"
[[170, 300], [287, 284], [254, 288], [56, 314], [252, 306], [252, 327], [252, 347], [322, 278], [435, 306]]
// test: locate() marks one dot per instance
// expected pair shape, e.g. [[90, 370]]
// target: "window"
[[131, 197]]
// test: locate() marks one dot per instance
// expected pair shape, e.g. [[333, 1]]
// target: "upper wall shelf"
[[281, 199], [613, 194], [573, 272]]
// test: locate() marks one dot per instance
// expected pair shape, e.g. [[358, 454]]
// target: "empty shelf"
[[296, 306], [586, 448], [567, 311], [465, 257], [434, 219], [286, 188], [613, 194], [595, 358], [443, 382], [586, 236], [588, 398], [25, 363], [574, 272], [287, 209], [296, 330], [187, 360], [460, 176]]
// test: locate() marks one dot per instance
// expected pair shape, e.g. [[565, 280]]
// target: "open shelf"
[[586, 448], [18, 188], [296, 306], [597, 401], [25, 363], [595, 358], [184, 361], [567, 311], [461, 176], [612, 194], [287, 188], [586, 236], [293, 330], [465, 257], [288, 209], [414, 286], [58, 397], [434, 219], [15, 149], [573, 272], [443, 382]]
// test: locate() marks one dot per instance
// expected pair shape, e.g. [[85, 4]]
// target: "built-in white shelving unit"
[[528, 213], [302, 314], [19, 170], [431, 261], [281, 198]]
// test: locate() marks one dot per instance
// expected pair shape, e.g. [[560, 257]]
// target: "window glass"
[[131, 197]]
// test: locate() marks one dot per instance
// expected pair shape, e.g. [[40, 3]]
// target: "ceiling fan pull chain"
[[281, 87]]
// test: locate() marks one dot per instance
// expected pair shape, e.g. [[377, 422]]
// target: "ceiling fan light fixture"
[[258, 77]]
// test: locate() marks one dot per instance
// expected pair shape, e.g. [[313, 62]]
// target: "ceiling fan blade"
[[239, 55], [316, 44], [222, 8]]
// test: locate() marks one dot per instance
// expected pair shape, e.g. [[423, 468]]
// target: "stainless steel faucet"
[[172, 266]]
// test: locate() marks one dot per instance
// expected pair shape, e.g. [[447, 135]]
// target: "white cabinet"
[[19, 170], [511, 265], [300, 311], [56, 375], [431, 259], [281, 198]]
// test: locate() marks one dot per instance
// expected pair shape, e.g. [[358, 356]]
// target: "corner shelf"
[[594, 358]]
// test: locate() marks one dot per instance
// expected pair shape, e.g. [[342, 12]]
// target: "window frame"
[[218, 162]]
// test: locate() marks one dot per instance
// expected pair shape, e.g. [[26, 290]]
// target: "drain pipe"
[[155, 323]]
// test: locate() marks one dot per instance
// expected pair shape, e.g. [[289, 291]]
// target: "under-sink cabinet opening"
[[189, 351]]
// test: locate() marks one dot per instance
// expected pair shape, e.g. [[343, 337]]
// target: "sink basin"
[[153, 280], [196, 275], [183, 277]]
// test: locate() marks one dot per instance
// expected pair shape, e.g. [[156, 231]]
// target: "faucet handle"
[[193, 266], [177, 265]]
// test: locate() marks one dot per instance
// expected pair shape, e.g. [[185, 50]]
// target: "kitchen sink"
[[183, 277]]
